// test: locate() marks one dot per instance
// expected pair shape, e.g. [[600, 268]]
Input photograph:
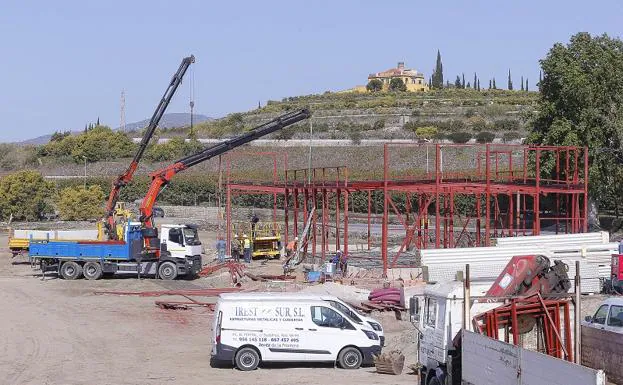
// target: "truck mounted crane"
[[178, 250], [126, 177]]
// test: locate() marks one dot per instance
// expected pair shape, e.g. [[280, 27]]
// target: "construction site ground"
[[60, 332]]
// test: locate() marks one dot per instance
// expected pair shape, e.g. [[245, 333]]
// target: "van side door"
[[329, 333]]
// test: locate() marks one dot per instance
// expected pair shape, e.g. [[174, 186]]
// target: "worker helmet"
[[244, 235], [296, 238]]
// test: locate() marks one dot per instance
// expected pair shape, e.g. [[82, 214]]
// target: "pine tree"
[[437, 79], [522, 83], [463, 82], [510, 81], [526, 84], [478, 84], [490, 84], [494, 87], [457, 82]]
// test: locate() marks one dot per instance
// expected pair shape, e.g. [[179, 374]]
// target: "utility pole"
[[122, 125]]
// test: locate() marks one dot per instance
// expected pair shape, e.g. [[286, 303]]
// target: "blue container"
[[313, 276]]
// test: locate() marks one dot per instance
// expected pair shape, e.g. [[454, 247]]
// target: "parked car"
[[609, 316], [158, 212]]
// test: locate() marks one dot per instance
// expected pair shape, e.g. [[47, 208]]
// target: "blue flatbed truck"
[[180, 254]]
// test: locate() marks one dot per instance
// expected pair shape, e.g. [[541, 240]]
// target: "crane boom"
[[126, 177], [161, 177]]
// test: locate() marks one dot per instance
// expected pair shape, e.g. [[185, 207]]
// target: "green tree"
[[457, 82], [374, 85], [79, 203], [57, 136], [463, 81], [426, 133], [475, 80], [509, 136], [485, 137], [24, 195], [581, 104], [494, 86], [527, 84], [460, 137], [510, 81], [478, 84], [468, 85], [437, 78], [396, 84], [522, 88], [490, 86]]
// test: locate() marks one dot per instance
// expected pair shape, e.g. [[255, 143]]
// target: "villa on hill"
[[413, 79]]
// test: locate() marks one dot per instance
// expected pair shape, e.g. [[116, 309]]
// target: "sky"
[[64, 63]]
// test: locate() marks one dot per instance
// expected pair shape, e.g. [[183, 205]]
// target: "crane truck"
[[438, 313], [176, 252]]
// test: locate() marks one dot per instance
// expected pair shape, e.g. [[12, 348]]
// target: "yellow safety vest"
[[247, 243]]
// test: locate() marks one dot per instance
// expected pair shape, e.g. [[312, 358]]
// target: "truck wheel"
[[167, 271], [247, 359], [92, 270], [350, 358], [71, 270]]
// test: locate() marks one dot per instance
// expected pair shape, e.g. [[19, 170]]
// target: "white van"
[[250, 330], [334, 301]]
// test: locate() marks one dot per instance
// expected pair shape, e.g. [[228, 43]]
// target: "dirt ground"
[[60, 332]]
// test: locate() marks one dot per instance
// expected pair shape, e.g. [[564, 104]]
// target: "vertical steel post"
[[437, 183], [487, 195], [337, 218], [385, 209], [577, 314], [346, 196], [286, 196], [466, 298], [537, 196], [369, 213], [585, 228]]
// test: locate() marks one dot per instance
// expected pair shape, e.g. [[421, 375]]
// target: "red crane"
[[161, 177], [126, 177]]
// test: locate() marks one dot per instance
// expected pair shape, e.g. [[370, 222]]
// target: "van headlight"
[[371, 335], [375, 326]]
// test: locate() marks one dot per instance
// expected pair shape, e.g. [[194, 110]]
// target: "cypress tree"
[[526, 84], [490, 84], [437, 79], [522, 83], [447, 83], [469, 85], [494, 87], [540, 77], [463, 82], [98, 121], [478, 84], [457, 82], [510, 81], [475, 80]]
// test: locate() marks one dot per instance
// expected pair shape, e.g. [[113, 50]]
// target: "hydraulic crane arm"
[[161, 177], [126, 177]]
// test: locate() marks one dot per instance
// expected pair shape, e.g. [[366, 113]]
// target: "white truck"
[[438, 316], [179, 254]]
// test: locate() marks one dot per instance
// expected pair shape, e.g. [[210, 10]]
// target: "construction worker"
[[291, 247], [247, 248], [220, 248], [343, 258], [254, 221]]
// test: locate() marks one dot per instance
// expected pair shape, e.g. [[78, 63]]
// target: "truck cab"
[[180, 241], [437, 315]]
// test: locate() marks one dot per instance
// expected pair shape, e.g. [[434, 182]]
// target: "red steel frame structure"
[[525, 187]]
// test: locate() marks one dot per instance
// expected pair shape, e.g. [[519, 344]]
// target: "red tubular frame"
[[501, 173]]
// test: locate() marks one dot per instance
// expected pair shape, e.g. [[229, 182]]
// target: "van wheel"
[[350, 358], [92, 270], [71, 270], [167, 271], [434, 381], [247, 359]]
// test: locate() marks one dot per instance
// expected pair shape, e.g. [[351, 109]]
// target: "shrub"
[[452, 125], [460, 137], [426, 133], [476, 123], [355, 136], [24, 195], [506, 124], [469, 113], [79, 203], [485, 137], [378, 124], [396, 84], [509, 136]]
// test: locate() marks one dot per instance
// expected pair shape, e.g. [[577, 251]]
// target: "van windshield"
[[347, 311]]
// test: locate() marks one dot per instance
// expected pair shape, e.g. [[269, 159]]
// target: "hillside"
[[392, 115], [171, 120]]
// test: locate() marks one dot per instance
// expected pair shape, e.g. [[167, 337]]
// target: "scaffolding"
[[433, 195]]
